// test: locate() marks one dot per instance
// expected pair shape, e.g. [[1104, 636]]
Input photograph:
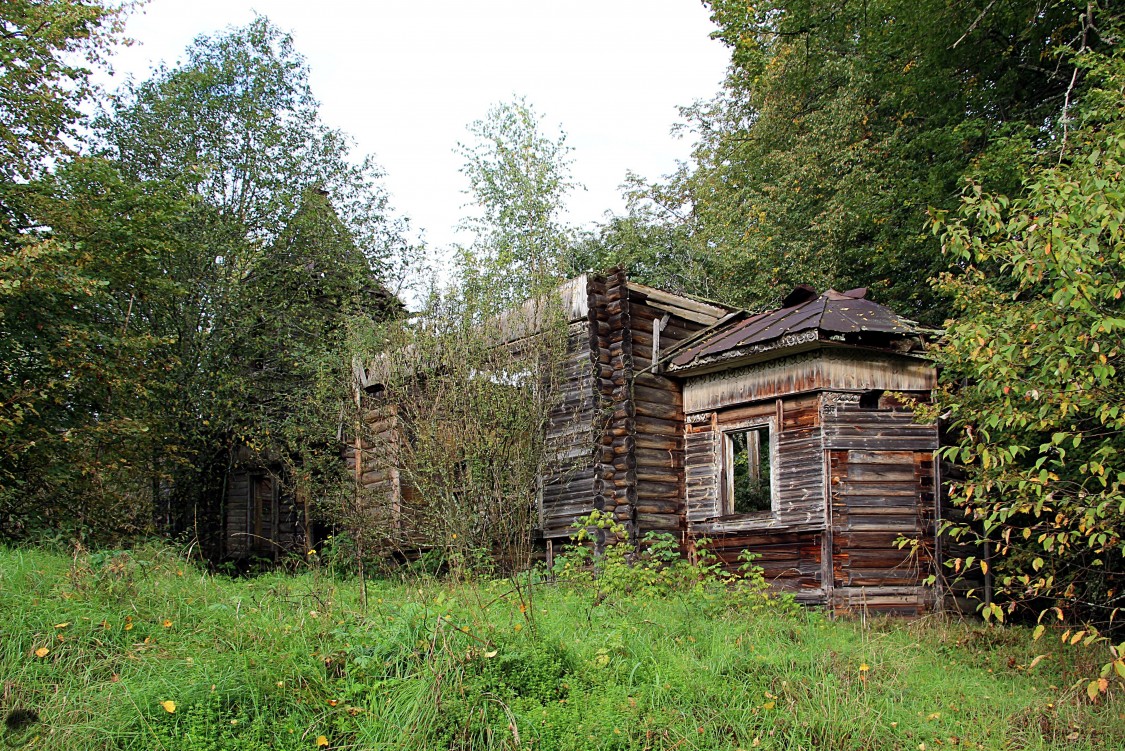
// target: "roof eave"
[[796, 344]]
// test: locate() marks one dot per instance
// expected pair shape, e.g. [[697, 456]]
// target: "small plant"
[[603, 559]]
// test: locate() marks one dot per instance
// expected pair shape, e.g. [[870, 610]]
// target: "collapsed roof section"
[[805, 321]]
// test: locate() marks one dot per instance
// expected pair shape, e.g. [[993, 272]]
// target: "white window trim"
[[726, 476]]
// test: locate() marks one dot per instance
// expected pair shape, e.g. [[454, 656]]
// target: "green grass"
[[276, 662]]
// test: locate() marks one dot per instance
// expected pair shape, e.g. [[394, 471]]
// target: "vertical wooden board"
[[701, 473], [235, 516]]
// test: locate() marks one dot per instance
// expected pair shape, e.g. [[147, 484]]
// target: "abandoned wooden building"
[[787, 434]]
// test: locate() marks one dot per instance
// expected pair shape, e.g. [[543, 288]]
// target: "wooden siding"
[[236, 542], [790, 539], [847, 425], [261, 519], [823, 369], [790, 561], [882, 470], [798, 467], [567, 485]]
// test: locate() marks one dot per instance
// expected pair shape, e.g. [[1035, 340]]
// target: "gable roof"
[[804, 321]]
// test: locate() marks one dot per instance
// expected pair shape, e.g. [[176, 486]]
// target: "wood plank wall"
[[261, 518], [659, 406], [390, 509], [235, 538], [567, 483], [799, 465], [790, 541], [883, 488]]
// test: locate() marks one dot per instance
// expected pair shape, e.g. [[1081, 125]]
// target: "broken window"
[[748, 464]]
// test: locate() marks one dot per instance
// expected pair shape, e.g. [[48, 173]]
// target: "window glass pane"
[[750, 471]]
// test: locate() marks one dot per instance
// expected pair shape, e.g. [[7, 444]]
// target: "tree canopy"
[[837, 128], [177, 293]]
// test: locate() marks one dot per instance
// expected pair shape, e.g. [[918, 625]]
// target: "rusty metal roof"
[[834, 314]]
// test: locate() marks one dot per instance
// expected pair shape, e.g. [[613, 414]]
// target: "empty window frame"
[[748, 470]]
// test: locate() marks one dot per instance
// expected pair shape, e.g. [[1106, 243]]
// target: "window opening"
[[748, 485], [870, 399]]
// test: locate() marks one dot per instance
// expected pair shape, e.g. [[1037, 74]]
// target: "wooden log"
[[658, 474], [656, 395], [672, 412], [657, 426], [657, 506], [669, 459], [624, 462], [650, 489], [374, 476], [659, 522], [662, 442], [624, 479], [651, 380]]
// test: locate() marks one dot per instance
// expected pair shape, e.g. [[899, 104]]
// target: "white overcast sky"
[[404, 79]]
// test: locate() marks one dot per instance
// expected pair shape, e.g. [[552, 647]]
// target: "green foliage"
[[463, 402], [603, 561], [43, 81], [837, 127], [1031, 365], [279, 661], [519, 178], [86, 361], [186, 295]]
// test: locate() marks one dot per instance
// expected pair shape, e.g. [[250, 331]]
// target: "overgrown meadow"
[[145, 650]]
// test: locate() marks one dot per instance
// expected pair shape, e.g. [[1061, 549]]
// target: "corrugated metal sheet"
[[833, 313]]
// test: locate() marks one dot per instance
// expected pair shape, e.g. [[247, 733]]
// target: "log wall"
[[659, 406], [567, 485], [882, 471], [615, 477], [260, 519]]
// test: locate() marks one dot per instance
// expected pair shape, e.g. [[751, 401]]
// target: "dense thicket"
[[839, 125], [183, 294], [1031, 362]]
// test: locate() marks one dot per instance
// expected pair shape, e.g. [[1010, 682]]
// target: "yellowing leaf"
[[1036, 661], [1092, 690], [169, 706], [1077, 637], [62, 625], [1038, 632], [321, 741], [42, 652], [492, 654], [769, 705]]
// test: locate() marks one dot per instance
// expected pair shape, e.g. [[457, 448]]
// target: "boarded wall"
[[882, 473], [261, 519]]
